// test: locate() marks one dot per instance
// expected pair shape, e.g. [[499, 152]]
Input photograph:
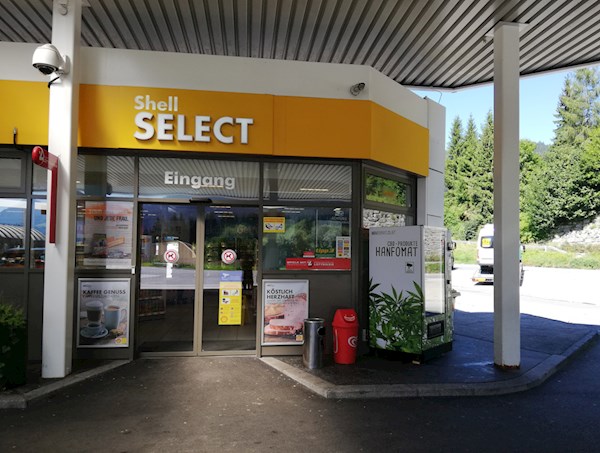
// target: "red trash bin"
[[345, 336]]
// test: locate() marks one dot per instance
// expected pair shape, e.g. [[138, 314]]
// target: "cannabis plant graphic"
[[396, 320]]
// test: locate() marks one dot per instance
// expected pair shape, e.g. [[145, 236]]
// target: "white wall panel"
[[230, 74], [248, 75], [437, 130], [16, 62], [435, 194]]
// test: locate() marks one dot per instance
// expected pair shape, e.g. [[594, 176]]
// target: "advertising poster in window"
[[107, 234], [103, 309], [274, 225], [342, 247], [285, 307], [230, 298]]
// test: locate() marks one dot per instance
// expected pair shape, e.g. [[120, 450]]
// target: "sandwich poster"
[[285, 307], [108, 234]]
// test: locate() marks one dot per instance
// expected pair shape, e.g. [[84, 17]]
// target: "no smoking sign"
[[171, 256], [228, 256]]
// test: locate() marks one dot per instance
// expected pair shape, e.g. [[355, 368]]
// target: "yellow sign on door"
[[230, 304]]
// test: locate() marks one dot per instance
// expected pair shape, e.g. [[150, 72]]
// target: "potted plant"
[[13, 346]]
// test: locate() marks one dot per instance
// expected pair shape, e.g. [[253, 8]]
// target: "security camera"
[[47, 59], [357, 88]]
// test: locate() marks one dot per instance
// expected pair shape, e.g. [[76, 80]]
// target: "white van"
[[485, 256]]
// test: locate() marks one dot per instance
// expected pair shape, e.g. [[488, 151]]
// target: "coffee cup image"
[[113, 316], [94, 311], [93, 329]]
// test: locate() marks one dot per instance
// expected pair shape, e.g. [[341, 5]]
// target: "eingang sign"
[[198, 181]]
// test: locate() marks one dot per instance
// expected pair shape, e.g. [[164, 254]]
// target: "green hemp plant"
[[396, 319]]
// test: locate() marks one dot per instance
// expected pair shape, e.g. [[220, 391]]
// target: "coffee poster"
[[103, 313], [285, 307]]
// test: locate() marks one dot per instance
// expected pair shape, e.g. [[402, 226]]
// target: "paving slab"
[[467, 370]]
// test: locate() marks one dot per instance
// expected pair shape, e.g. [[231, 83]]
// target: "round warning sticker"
[[228, 256], [171, 256]]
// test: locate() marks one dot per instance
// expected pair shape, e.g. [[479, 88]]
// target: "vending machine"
[[411, 301]]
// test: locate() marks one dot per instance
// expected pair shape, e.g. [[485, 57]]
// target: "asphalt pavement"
[[458, 401], [569, 295], [467, 370], [240, 404]]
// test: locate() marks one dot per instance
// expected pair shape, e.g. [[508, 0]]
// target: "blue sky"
[[539, 99]]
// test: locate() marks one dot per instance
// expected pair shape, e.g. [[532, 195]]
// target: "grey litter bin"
[[314, 342]]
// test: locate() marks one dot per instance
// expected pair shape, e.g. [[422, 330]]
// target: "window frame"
[[409, 180], [22, 189], [315, 207]]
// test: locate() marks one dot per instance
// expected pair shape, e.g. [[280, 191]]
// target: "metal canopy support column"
[[507, 326], [57, 337]]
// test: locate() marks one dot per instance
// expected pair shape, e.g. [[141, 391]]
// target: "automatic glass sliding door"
[[172, 317], [167, 297], [229, 278]]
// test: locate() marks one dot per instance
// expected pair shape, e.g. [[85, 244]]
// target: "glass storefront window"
[[307, 182], [40, 180], [204, 180], [387, 191], [12, 232], [38, 234], [306, 238], [375, 218], [104, 234], [105, 176], [11, 173]]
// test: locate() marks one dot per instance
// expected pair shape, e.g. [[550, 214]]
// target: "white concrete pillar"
[[57, 337], [507, 325]]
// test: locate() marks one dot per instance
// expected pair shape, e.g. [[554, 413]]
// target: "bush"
[[465, 252], [13, 346]]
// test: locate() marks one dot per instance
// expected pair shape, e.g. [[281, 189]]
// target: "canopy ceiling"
[[438, 44]]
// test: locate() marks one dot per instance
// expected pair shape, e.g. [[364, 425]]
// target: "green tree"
[[551, 199], [530, 163], [464, 170], [563, 189], [578, 111], [459, 165], [475, 193], [529, 160], [559, 184], [454, 153], [468, 201], [589, 190], [483, 177]]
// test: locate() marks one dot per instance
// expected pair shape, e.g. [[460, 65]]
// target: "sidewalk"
[[467, 370]]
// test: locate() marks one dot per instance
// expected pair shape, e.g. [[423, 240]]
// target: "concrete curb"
[[19, 400], [532, 378]]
